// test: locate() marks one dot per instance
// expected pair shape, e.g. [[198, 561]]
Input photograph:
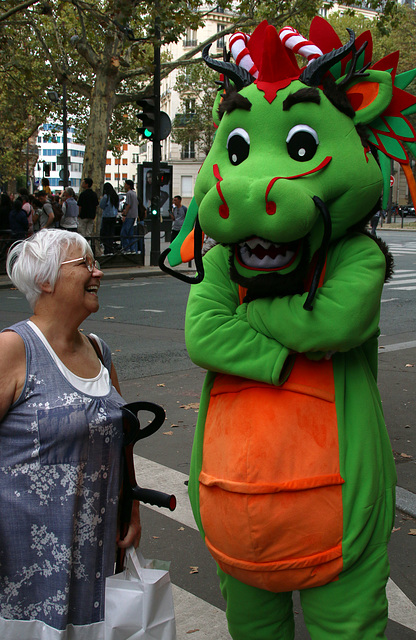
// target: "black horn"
[[238, 75], [315, 71]]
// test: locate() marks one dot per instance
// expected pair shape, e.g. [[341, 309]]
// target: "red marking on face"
[[223, 208], [271, 206], [366, 152]]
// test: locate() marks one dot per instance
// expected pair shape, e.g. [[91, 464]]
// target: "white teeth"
[[254, 242], [251, 260]]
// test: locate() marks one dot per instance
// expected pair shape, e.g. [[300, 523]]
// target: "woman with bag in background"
[[61, 439], [109, 205]]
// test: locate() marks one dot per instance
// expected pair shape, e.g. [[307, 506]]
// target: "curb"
[[406, 501]]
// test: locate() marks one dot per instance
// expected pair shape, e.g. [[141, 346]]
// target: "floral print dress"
[[60, 453]]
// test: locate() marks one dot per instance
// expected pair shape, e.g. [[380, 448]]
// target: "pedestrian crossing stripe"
[[208, 619], [403, 280]]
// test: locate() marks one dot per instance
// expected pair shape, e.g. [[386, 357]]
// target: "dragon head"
[[294, 162]]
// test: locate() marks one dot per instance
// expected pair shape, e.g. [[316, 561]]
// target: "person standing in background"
[[130, 213], [69, 220], [46, 215], [178, 216], [109, 205], [87, 203], [45, 187]]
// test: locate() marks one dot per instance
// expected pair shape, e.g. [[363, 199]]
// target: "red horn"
[[278, 67]]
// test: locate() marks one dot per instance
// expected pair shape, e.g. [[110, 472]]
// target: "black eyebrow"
[[303, 95], [233, 100]]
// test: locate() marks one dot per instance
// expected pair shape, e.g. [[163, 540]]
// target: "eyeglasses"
[[87, 260]]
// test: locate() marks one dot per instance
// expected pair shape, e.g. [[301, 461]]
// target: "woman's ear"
[[46, 287]]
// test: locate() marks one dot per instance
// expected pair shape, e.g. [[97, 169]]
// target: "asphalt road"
[[143, 319]]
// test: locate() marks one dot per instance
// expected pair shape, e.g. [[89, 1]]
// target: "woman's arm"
[[12, 369], [134, 531]]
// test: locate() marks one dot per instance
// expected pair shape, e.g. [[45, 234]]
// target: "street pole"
[[65, 134], [155, 209]]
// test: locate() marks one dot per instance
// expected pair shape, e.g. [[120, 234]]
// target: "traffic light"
[[163, 178], [154, 209], [147, 116], [47, 170]]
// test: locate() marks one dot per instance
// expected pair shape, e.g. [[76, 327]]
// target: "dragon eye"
[[302, 142], [238, 145]]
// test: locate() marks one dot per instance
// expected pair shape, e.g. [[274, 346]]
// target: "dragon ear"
[[186, 246], [182, 249], [370, 96]]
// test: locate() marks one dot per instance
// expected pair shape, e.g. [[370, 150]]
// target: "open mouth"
[[92, 289], [257, 253]]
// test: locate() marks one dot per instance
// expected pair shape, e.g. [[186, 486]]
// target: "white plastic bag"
[[139, 603]]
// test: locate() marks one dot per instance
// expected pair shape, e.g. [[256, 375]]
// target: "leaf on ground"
[[173, 426], [181, 529], [161, 384], [405, 455], [109, 318], [395, 529], [168, 433], [155, 537], [191, 405], [409, 365], [412, 532], [193, 570], [192, 630]]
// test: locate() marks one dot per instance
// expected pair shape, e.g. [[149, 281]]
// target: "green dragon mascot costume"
[[292, 478]]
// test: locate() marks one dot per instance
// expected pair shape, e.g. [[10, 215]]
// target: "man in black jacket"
[[87, 203]]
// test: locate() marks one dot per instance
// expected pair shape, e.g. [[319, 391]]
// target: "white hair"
[[37, 260]]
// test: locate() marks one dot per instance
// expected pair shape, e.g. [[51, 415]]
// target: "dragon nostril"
[[224, 211], [271, 208]]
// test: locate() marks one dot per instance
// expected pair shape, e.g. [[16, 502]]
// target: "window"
[[116, 176], [117, 161], [186, 186], [124, 147], [108, 176], [189, 105], [190, 38], [124, 176], [125, 161], [220, 41], [108, 161], [188, 150], [135, 158]]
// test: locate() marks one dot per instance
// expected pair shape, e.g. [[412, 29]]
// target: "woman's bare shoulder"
[[12, 369], [11, 345]]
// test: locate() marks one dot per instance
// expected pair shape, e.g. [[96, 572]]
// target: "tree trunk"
[[101, 109]]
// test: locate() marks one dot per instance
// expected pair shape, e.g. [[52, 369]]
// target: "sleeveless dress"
[[60, 456]]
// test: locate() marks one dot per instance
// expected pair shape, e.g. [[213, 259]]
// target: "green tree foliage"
[[194, 123], [103, 51]]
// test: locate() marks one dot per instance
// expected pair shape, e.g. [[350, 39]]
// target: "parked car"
[[407, 211], [121, 201]]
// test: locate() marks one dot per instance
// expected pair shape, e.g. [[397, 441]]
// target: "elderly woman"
[[60, 446]]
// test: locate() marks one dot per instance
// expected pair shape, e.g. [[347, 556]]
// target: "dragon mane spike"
[[352, 71], [238, 75], [315, 71]]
